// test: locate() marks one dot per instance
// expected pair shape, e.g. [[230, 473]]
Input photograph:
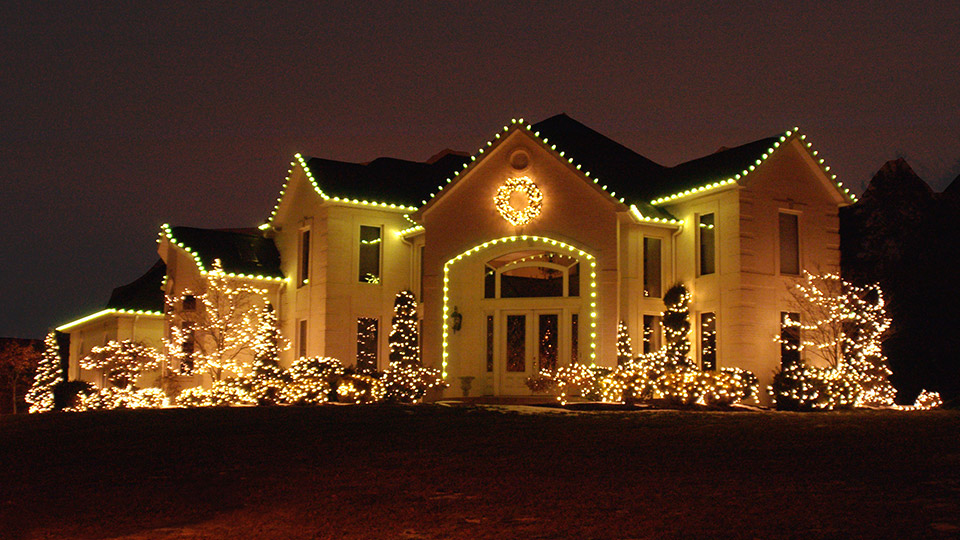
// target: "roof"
[[241, 251], [144, 293], [640, 179], [387, 180], [635, 178]]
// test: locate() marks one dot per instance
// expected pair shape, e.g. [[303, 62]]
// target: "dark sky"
[[115, 119]]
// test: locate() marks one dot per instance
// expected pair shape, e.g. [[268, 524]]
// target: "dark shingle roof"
[[243, 251], [635, 177], [386, 180], [628, 174], [146, 292]]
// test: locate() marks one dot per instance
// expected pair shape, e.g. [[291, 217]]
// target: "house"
[[527, 254]]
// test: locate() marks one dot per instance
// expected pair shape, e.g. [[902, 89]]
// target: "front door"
[[531, 342]]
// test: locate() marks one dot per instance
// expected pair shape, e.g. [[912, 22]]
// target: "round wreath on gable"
[[518, 200]]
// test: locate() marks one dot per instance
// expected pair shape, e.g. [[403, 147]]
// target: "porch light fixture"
[[456, 320]]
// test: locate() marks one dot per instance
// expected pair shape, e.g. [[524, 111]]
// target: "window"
[[707, 240], [789, 339], [189, 302], [531, 274], [489, 343], [367, 340], [188, 347], [302, 339], [422, 260], [369, 254], [303, 268], [574, 338], [651, 267], [708, 341], [789, 244], [652, 332]]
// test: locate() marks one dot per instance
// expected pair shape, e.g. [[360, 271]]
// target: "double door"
[[530, 341]]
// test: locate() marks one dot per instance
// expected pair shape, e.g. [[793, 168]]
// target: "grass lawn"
[[472, 472]]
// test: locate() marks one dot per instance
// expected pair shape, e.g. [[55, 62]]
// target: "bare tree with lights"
[[221, 322]]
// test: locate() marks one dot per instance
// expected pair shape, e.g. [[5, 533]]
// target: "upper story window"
[[531, 274], [651, 267], [707, 243], [789, 244], [189, 302], [370, 240], [303, 266]]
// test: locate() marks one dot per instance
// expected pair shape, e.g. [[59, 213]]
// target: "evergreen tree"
[[267, 378], [676, 326], [40, 396], [624, 346], [404, 337]]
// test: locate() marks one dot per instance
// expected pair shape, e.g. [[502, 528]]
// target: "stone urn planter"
[[465, 383]]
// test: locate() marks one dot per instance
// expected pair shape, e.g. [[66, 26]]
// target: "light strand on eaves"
[[845, 192]]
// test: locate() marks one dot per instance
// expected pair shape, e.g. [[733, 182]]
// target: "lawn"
[[471, 472]]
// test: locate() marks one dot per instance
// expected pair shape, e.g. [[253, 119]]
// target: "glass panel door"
[[548, 339]]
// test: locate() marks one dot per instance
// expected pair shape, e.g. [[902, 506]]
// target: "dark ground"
[[465, 472]]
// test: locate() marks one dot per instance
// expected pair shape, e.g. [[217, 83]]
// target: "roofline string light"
[[656, 221], [521, 238], [845, 192], [166, 231], [324, 196], [108, 311], [552, 148]]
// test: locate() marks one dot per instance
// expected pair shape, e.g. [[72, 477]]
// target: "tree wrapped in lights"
[[122, 362], [222, 325], [267, 379], [404, 337], [842, 326], [676, 326], [49, 373], [624, 346]]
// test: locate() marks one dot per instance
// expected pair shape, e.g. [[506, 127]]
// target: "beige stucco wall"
[[334, 298], [147, 329], [747, 291], [574, 211]]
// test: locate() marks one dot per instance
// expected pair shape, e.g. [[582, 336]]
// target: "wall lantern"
[[456, 319]]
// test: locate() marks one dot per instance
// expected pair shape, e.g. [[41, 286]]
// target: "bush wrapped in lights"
[[311, 380], [408, 383], [121, 398], [225, 393], [840, 325]]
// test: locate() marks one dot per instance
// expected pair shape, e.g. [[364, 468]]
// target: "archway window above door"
[[532, 274]]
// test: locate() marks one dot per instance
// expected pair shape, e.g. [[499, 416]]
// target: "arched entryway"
[[526, 303]]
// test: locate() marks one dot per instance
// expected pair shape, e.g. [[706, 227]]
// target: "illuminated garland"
[[109, 311], [525, 186]]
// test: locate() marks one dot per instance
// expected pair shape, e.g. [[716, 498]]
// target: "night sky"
[[115, 119]]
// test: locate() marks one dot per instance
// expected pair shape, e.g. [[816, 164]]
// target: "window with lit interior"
[[303, 266], [531, 274], [706, 236], [370, 240]]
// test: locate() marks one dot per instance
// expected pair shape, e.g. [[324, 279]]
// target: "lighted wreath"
[[523, 186]]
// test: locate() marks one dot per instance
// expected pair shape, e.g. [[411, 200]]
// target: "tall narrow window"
[[422, 261], [789, 339], [708, 341], [789, 244], [188, 346], [303, 269], [651, 267], [367, 335], [516, 343], [489, 343], [574, 338], [708, 246], [369, 254], [302, 339], [652, 333]]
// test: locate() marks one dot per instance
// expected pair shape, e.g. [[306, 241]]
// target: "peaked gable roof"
[[242, 252], [626, 175], [144, 293]]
